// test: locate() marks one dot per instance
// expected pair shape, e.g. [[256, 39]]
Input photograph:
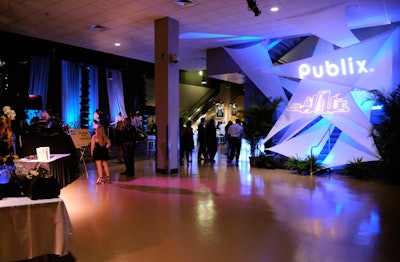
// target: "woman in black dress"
[[99, 151]]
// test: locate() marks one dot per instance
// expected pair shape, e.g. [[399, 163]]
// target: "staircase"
[[201, 107], [329, 145], [283, 47]]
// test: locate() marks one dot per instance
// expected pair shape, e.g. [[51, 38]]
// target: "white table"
[[31, 228]]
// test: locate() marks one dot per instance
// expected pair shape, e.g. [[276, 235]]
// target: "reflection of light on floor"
[[245, 150], [251, 184], [369, 227], [339, 208], [205, 216]]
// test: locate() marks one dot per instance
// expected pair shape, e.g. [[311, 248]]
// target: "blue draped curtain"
[[115, 93], [39, 78], [71, 89], [70, 93]]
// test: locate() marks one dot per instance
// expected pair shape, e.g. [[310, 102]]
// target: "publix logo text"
[[346, 66]]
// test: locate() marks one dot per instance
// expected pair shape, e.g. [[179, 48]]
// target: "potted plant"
[[258, 121], [357, 169], [306, 166], [387, 133]]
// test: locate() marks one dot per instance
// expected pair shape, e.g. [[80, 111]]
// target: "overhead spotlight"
[[253, 7]]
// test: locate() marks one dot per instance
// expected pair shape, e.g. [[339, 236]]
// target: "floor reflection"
[[220, 212]]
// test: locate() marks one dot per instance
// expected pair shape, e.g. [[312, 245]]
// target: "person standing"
[[202, 152], [187, 141], [118, 119], [118, 140], [45, 118], [181, 152], [227, 138], [99, 151], [96, 119], [236, 133], [211, 140], [137, 120], [129, 145]]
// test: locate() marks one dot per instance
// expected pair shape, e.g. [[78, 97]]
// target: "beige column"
[[166, 88]]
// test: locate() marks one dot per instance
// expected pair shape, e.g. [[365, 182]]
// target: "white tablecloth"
[[53, 157], [31, 228], [59, 166]]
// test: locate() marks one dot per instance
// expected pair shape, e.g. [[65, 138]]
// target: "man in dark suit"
[[201, 140], [129, 146]]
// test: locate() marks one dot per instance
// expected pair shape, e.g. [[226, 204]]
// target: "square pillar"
[[166, 88]]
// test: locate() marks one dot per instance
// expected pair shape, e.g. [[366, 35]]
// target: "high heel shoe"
[[100, 180], [108, 179]]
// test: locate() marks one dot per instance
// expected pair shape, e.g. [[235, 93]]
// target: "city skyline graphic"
[[323, 102]]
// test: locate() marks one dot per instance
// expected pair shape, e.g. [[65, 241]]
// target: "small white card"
[[43, 153]]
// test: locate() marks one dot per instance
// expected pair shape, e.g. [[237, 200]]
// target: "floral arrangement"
[[9, 112], [6, 136], [9, 159]]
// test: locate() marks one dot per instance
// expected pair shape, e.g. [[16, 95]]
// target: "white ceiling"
[[203, 25]]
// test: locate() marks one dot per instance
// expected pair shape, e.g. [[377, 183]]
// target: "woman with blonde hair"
[[99, 151]]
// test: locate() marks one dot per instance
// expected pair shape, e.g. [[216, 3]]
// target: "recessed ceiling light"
[[117, 44], [184, 3], [98, 28], [274, 9]]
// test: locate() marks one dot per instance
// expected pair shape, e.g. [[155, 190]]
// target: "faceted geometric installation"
[[328, 114]]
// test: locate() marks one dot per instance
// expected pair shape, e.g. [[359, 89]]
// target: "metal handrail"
[[204, 101], [329, 138]]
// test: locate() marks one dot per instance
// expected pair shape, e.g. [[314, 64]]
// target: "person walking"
[[187, 141], [128, 135], [99, 150], [236, 133], [202, 152], [211, 140]]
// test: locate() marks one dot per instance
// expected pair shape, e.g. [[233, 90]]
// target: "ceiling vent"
[[98, 28], [184, 3]]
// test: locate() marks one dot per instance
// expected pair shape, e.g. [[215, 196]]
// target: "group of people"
[[99, 119], [125, 137], [208, 141], [101, 144]]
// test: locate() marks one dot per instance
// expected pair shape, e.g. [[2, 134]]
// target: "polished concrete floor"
[[220, 212]]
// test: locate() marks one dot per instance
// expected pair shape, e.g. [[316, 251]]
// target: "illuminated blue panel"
[[273, 44], [192, 35], [243, 38]]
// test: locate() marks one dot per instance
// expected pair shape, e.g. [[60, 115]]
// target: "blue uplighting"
[[243, 38], [192, 35]]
